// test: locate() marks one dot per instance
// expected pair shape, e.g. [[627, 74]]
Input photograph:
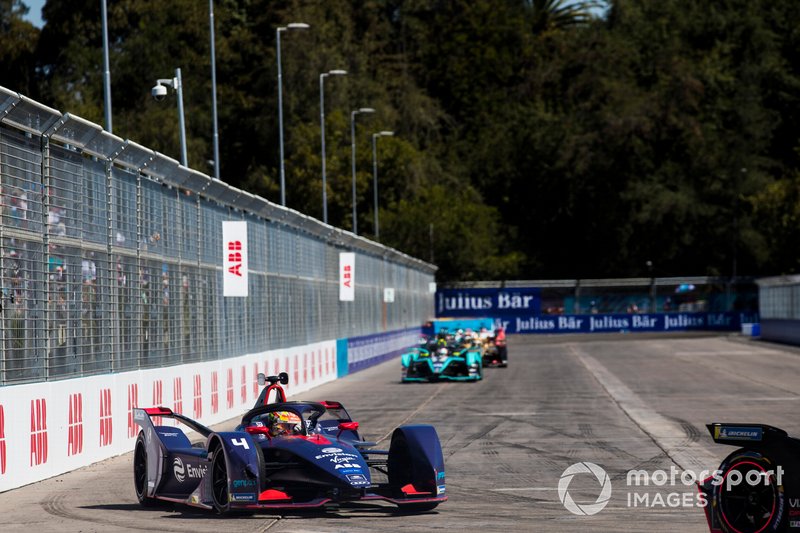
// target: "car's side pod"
[[415, 458], [763, 473]]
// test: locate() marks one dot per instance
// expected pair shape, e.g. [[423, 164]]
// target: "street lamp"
[[292, 26], [159, 92], [214, 88], [375, 176], [353, 146], [337, 72], [106, 68]]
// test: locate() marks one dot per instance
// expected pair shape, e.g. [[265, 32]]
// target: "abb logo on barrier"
[[2, 441], [313, 367], [327, 362], [214, 392], [198, 397], [255, 380], [133, 401], [296, 368], [158, 398], [230, 388], [106, 427], [177, 394], [75, 426], [244, 384], [38, 431], [305, 367], [235, 257]]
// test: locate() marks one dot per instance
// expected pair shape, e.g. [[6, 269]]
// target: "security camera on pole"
[[159, 92]]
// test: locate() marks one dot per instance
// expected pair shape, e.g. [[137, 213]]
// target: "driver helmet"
[[442, 352], [283, 423]]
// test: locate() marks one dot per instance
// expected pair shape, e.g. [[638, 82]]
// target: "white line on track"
[[667, 435], [417, 410]]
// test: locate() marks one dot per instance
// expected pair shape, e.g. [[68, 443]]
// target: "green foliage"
[[535, 138]]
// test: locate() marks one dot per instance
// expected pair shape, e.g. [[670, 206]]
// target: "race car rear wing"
[[140, 415]]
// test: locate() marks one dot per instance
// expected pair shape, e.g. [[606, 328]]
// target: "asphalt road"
[[622, 402]]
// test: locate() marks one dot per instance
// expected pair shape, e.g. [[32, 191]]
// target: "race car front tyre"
[[140, 473], [750, 497], [219, 481]]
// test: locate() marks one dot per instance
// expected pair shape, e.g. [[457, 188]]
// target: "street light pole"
[[292, 26], [322, 77], [353, 147], [213, 88], [159, 93], [106, 68], [375, 176]]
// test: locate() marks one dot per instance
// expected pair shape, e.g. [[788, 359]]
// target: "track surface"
[[623, 402]]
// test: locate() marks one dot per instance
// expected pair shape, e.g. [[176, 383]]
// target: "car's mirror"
[[258, 430], [262, 379], [284, 378]]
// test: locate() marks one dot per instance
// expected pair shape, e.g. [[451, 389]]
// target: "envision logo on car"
[[332, 450], [178, 469]]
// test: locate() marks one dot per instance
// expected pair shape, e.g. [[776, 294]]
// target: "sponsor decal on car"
[[243, 497], [335, 456], [794, 523], [357, 479], [242, 483], [440, 489], [193, 471], [332, 450], [738, 433], [347, 465]]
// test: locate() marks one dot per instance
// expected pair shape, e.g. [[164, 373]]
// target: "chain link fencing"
[[112, 260]]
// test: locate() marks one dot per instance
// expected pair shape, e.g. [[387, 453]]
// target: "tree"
[[17, 48]]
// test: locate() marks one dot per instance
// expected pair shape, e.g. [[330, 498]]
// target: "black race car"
[[284, 455], [757, 487]]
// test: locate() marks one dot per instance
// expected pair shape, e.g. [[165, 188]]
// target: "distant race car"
[[757, 487], [495, 352], [442, 360], [284, 455]]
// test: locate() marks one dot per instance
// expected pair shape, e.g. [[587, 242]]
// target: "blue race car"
[[284, 455], [442, 359]]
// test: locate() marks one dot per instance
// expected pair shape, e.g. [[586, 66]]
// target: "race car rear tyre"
[[140, 473], [750, 497], [219, 481]]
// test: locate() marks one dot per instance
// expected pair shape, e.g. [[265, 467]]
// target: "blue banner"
[[488, 302], [623, 322]]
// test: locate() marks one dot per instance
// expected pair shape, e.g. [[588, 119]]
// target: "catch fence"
[[112, 260]]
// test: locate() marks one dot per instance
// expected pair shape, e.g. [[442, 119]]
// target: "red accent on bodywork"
[[158, 411], [351, 426], [280, 395], [327, 404], [272, 494], [410, 490]]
